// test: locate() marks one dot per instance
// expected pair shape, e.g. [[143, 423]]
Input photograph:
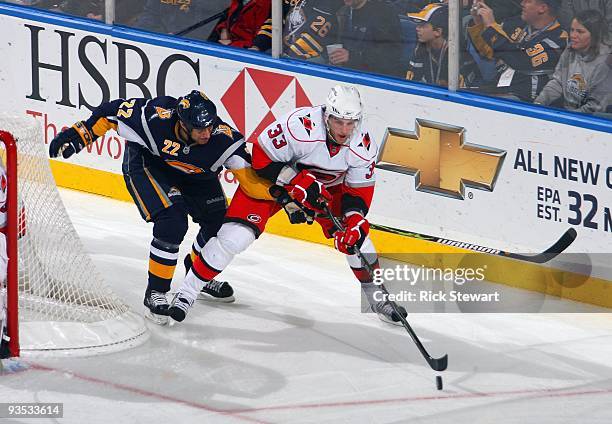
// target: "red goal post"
[[57, 301], [11, 242]]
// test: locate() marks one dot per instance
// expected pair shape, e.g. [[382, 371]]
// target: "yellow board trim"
[[524, 275]]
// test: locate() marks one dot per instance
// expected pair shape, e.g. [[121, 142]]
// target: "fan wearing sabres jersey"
[[175, 150], [311, 157]]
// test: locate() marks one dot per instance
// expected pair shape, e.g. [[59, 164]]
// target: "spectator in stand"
[[128, 11], [526, 48], [92, 9], [310, 26], [245, 25], [582, 72], [429, 62], [370, 36], [173, 16], [570, 8], [503, 9]]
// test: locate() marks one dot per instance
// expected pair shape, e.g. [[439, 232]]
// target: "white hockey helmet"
[[343, 102]]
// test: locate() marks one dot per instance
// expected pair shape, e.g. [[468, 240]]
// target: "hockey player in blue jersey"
[[175, 150]]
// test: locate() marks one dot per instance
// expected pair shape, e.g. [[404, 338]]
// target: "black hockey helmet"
[[195, 110]]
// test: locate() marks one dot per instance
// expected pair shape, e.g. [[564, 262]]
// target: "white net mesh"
[[64, 304]]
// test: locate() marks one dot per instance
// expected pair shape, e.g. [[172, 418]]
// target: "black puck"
[[439, 382]]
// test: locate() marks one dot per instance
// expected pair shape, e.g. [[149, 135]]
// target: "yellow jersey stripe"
[[160, 270]]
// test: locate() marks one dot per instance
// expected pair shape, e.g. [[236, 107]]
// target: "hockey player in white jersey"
[[311, 156]]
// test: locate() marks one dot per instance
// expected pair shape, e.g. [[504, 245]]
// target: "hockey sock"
[[202, 270], [162, 261], [363, 275], [197, 245]]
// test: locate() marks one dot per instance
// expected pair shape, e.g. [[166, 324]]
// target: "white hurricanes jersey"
[[300, 139]]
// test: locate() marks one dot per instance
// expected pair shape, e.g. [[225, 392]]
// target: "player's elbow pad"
[[271, 171], [352, 203]]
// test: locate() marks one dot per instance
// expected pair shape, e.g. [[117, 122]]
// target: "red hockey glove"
[[356, 228], [307, 191]]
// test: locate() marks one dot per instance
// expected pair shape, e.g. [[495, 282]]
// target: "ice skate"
[[156, 307], [217, 291], [213, 290], [385, 312], [382, 308], [179, 307]]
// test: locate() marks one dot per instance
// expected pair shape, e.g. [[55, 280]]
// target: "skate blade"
[[160, 320], [208, 298]]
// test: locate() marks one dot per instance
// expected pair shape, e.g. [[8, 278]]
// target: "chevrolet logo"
[[440, 159]]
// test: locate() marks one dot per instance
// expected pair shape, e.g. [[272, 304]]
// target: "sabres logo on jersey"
[[184, 103], [365, 141], [577, 85], [223, 129], [307, 123], [162, 113]]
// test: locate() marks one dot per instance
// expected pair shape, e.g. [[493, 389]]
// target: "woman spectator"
[[581, 74]]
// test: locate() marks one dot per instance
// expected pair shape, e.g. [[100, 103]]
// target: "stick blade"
[[563, 243], [438, 364], [552, 252]]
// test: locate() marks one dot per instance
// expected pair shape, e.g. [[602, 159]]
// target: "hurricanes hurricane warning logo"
[[366, 141], [307, 123]]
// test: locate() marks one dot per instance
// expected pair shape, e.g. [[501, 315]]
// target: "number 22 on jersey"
[[171, 147]]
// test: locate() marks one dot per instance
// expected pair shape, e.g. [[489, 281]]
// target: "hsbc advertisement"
[[444, 169]]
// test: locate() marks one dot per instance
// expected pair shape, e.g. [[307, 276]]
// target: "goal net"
[[64, 305]]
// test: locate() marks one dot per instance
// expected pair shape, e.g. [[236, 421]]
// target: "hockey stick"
[[201, 23], [437, 364], [553, 251]]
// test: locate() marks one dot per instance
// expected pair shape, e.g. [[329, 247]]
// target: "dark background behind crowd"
[[549, 52]]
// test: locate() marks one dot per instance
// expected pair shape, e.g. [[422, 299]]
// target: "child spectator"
[[429, 61]]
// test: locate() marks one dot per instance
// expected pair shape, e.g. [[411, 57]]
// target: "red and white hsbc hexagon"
[[256, 98]]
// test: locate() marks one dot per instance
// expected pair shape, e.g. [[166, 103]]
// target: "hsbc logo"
[[269, 96]]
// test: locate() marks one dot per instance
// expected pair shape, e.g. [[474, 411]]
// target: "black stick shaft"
[[553, 251], [437, 364], [201, 23]]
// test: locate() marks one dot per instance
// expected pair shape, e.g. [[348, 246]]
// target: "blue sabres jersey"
[[153, 125]]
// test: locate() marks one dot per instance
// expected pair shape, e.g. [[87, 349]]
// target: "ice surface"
[[294, 348]]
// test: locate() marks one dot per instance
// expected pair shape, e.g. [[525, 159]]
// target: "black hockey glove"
[[70, 141], [297, 213]]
